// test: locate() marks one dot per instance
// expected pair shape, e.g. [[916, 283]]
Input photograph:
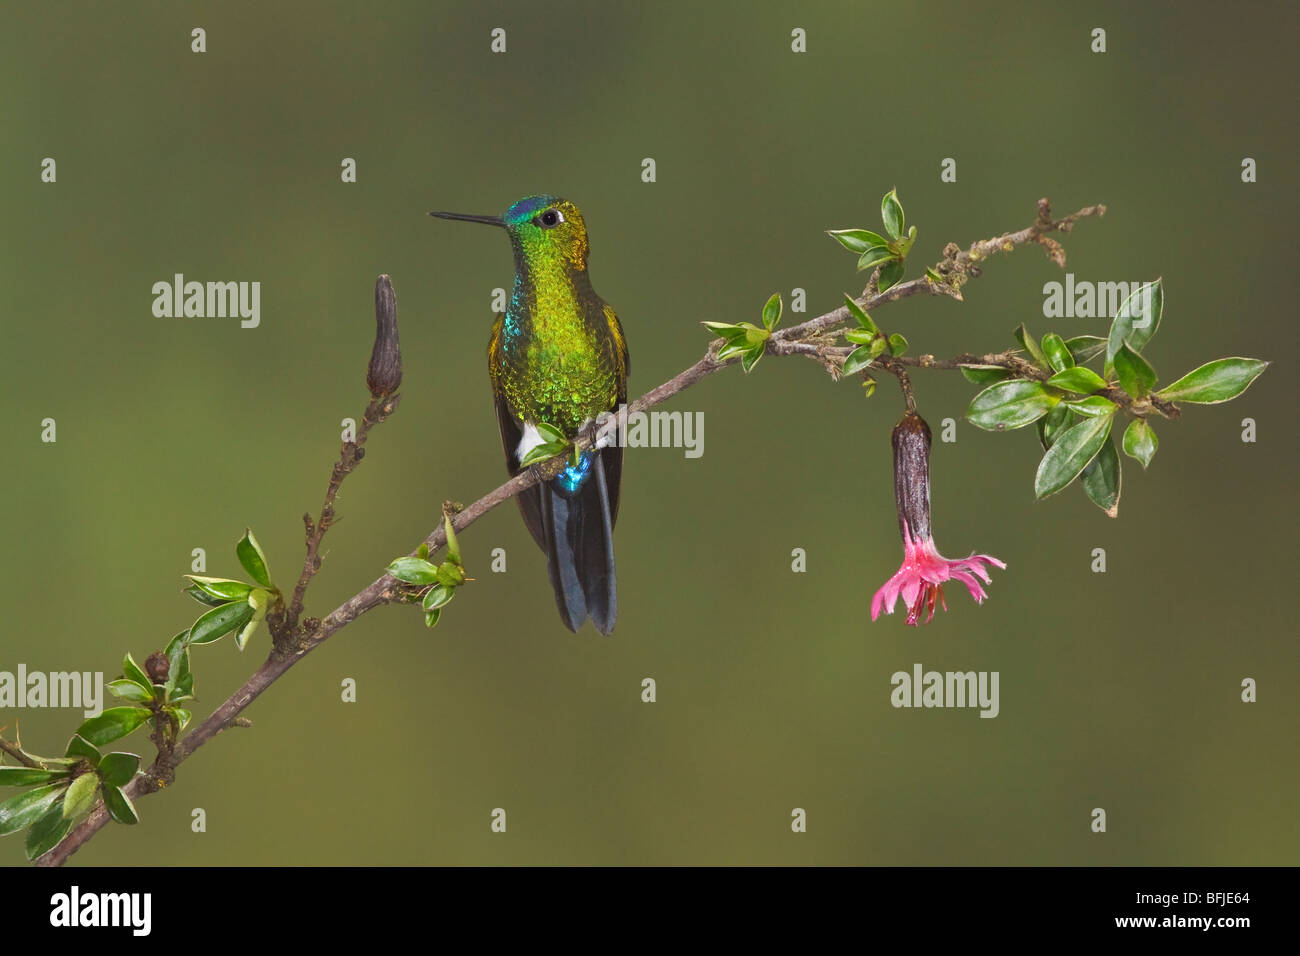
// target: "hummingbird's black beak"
[[466, 217]]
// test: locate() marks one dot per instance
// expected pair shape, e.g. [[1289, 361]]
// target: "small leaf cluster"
[[746, 339], [63, 790], [435, 584], [871, 344], [1074, 419], [235, 605], [876, 251]]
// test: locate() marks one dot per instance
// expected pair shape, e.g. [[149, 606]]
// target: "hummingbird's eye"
[[550, 219]]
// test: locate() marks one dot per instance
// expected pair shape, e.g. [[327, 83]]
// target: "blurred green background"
[[1118, 690]]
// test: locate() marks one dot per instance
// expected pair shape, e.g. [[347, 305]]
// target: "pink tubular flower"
[[919, 581]]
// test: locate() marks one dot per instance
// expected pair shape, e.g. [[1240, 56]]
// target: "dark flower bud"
[[156, 665], [911, 441], [384, 375]]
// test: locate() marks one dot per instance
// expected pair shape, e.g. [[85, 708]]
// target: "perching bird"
[[557, 356]]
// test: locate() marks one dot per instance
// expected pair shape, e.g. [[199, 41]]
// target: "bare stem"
[[16, 752], [285, 625]]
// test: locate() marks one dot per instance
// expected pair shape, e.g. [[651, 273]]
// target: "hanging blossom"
[[919, 581]]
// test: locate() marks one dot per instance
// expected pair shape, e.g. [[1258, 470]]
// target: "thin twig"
[[16, 752], [956, 267], [350, 455]]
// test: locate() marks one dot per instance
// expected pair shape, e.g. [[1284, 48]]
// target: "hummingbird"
[[557, 356]]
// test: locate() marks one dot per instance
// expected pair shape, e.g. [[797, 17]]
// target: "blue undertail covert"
[[575, 476]]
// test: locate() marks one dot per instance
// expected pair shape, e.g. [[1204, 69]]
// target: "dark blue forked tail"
[[578, 533]]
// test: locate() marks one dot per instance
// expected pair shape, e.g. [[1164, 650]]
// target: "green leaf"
[[258, 600], [80, 747], [722, 328], [772, 311], [46, 832], [119, 806], [1135, 374], [129, 690], [1051, 425], [57, 763], [450, 575], [431, 617], [857, 360], [868, 386], [182, 717], [132, 671], [223, 589], [1135, 323], [26, 776], [860, 336], [81, 795], [750, 358], [111, 724], [203, 597], [245, 632], [184, 689], [28, 806], [897, 344], [438, 596], [178, 658], [1218, 381], [983, 374], [453, 544], [1011, 404], [1058, 354], [253, 559], [415, 570], [904, 245], [1101, 479], [890, 274], [1140, 441], [1093, 405], [180, 641], [859, 315], [552, 435], [117, 769], [536, 454], [891, 213], [874, 256], [857, 240], [1068, 456], [219, 622], [1030, 345], [1077, 379], [932, 275], [1085, 348], [423, 550], [733, 347]]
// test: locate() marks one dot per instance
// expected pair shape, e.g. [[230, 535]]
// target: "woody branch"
[[294, 637]]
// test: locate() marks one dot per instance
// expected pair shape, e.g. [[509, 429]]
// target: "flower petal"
[[972, 585], [886, 597]]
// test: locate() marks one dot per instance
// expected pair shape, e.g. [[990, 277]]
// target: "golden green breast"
[[561, 363]]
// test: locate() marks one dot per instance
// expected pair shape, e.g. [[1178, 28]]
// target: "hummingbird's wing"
[[613, 457], [530, 500]]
